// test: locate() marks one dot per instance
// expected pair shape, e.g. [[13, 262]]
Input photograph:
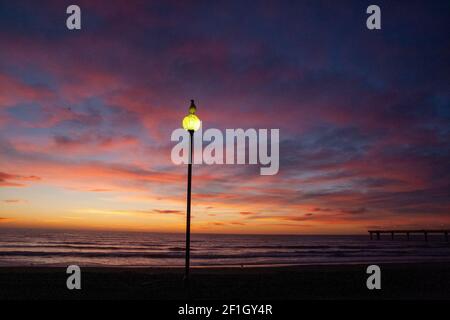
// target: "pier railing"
[[425, 233]]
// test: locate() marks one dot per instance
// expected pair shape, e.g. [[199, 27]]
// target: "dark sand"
[[399, 281]]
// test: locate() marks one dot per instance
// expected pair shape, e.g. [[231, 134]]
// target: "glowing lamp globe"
[[191, 122]]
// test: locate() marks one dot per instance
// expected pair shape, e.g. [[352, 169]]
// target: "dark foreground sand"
[[399, 281]]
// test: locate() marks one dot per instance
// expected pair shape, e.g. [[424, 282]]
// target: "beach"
[[125, 265], [336, 282]]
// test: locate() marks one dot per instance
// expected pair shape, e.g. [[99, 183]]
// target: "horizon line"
[[180, 232]]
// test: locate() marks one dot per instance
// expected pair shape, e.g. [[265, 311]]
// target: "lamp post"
[[191, 123]]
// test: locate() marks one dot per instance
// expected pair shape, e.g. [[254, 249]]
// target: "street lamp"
[[191, 123]]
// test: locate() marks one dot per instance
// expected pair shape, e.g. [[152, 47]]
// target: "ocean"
[[134, 249]]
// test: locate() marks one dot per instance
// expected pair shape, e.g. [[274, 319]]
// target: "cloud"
[[92, 141], [10, 180], [246, 213], [100, 190], [14, 91], [165, 211], [13, 201], [364, 130], [354, 211]]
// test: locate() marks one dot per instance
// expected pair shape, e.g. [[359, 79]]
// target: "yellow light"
[[191, 122]]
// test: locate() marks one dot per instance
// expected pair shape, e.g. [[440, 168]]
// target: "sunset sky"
[[86, 116]]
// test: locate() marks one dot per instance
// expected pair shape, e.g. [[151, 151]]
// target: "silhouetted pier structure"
[[408, 233]]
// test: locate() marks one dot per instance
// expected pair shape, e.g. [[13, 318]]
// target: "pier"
[[425, 233]]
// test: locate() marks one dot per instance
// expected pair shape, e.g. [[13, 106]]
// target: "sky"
[[86, 115]]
